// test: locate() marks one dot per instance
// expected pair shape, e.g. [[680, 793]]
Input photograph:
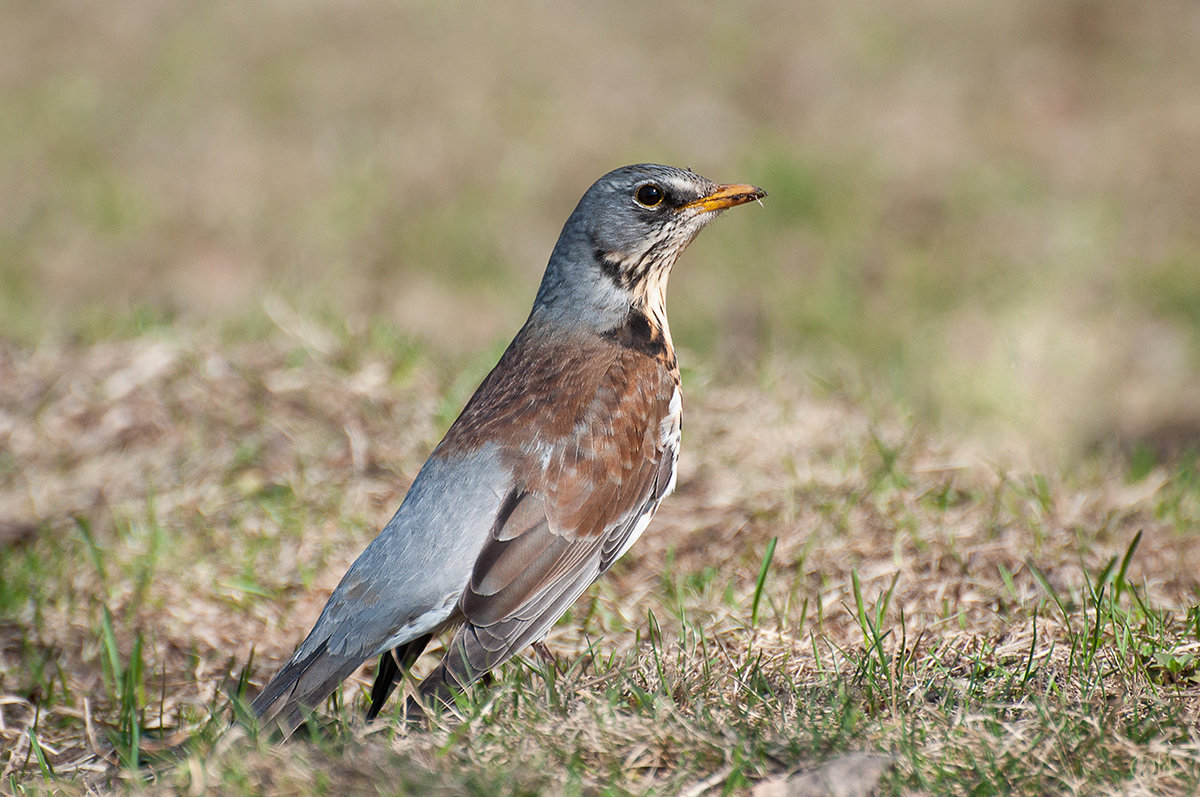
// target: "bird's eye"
[[650, 195]]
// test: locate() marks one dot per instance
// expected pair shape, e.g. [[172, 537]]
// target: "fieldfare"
[[551, 472]]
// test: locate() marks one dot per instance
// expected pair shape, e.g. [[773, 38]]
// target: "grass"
[[939, 495], [992, 631]]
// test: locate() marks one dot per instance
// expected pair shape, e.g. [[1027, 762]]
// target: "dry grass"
[[954, 360], [920, 599]]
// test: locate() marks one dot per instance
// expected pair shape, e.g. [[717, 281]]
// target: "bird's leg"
[[547, 657], [393, 665], [436, 693]]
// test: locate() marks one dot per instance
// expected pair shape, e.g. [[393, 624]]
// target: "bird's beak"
[[726, 196]]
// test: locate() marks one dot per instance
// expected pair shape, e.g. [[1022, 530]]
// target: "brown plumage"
[[602, 456]]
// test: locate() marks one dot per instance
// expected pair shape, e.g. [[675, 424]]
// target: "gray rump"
[[410, 577]]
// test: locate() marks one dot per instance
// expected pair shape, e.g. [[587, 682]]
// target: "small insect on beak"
[[726, 196]]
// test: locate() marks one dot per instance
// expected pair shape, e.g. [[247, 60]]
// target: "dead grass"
[[921, 599], [951, 368]]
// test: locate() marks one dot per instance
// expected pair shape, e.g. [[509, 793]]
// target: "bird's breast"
[[576, 417], [547, 387]]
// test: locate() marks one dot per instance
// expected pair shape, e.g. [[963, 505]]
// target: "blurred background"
[[985, 212]]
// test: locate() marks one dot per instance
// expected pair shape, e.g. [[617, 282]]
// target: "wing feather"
[[568, 523]]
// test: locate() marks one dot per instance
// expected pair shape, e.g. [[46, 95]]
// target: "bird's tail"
[[301, 686]]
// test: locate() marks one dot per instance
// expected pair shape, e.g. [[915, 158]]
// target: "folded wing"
[[558, 530]]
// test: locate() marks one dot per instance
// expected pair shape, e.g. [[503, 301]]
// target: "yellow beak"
[[726, 196]]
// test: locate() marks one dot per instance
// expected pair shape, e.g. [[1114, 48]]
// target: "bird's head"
[[617, 248]]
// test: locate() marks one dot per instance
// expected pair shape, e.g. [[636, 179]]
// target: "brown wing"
[[586, 493]]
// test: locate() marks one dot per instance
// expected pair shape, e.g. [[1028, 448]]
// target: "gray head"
[[618, 246]]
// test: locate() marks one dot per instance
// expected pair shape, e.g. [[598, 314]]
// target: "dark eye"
[[649, 195]]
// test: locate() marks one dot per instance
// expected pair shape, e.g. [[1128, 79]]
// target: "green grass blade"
[[762, 580], [1045, 584], [40, 755], [1120, 583], [1032, 650], [85, 530], [132, 698], [112, 654]]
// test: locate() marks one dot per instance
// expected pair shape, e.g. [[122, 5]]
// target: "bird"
[[554, 468]]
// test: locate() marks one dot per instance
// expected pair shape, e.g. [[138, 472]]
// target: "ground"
[[939, 495], [825, 579]]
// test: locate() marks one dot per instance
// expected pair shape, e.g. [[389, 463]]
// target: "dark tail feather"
[[392, 665], [301, 686]]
